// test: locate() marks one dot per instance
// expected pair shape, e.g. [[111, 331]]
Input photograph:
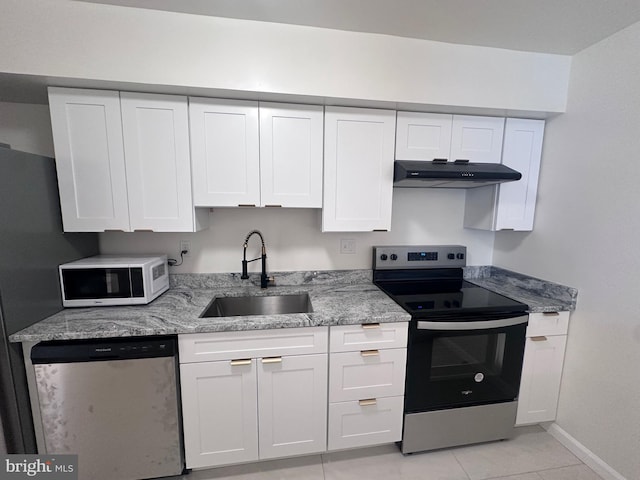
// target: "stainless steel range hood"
[[458, 174]]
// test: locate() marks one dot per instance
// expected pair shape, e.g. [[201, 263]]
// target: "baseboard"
[[589, 458]]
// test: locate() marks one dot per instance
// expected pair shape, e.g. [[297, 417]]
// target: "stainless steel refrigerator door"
[[120, 417]]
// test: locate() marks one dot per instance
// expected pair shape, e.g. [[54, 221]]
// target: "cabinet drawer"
[[205, 347], [354, 425], [350, 338], [366, 374], [548, 323]]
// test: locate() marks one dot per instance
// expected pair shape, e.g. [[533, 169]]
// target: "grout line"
[[461, 466]]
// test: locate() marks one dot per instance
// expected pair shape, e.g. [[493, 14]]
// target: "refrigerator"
[[32, 245]]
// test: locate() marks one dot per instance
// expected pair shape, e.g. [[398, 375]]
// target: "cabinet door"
[[522, 152], [292, 407], [87, 135], [219, 411], [291, 155], [358, 169], [225, 152], [541, 375], [156, 145], [423, 136], [477, 139]]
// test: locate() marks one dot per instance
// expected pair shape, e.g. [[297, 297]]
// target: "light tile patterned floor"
[[532, 454]]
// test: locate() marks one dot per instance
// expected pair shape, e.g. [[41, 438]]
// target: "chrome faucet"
[[264, 279]]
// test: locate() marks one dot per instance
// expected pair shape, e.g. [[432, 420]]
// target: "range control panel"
[[420, 256]]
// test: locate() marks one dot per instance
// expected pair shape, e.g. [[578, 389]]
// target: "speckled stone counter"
[[540, 295], [337, 298]]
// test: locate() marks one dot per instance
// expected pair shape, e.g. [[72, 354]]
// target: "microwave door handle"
[[482, 325]]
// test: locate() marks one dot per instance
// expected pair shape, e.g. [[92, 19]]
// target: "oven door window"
[[448, 369]]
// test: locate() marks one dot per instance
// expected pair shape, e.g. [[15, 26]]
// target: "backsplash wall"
[[295, 242]]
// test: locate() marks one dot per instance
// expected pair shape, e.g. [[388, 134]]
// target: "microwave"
[[105, 280]]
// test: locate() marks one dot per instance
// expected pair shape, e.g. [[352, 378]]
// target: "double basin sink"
[[258, 305]]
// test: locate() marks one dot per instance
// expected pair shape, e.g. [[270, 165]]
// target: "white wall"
[[587, 235], [294, 240], [26, 127], [78, 40]]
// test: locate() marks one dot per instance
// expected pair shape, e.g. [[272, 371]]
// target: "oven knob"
[[460, 256], [394, 256], [383, 256], [450, 256]]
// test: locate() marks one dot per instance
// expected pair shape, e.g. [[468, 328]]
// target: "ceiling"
[[548, 26]]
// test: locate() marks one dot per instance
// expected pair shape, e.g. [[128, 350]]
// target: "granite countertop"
[[338, 298], [540, 295]]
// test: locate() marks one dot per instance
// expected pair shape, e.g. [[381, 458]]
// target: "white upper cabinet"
[[427, 136], [291, 155], [477, 139], [156, 145], [87, 134], [358, 169], [123, 161], [225, 152], [250, 154], [511, 205], [423, 136], [522, 151]]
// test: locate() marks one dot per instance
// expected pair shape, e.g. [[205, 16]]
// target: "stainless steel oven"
[[465, 350]]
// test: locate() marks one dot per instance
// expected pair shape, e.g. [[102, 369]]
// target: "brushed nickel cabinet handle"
[[273, 206], [369, 353], [272, 360], [113, 230], [367, 401], [368, 326], [541, 338], [246, 205], [243, 361], [550, 314], [380, 230], [143, 230]]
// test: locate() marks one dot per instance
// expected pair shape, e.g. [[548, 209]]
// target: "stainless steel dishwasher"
[[114, 403]]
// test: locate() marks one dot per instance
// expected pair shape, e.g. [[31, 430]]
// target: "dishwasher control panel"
[[103, 350]]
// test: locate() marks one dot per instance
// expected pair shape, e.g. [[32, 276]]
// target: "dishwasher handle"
[[74, 351]]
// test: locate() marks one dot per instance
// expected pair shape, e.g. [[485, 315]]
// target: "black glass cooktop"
[[448, 299]]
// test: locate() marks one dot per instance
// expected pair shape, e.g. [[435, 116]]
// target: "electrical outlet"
[[185, 245], [347, 245]]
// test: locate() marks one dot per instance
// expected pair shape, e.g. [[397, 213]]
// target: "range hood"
[[457, 174]]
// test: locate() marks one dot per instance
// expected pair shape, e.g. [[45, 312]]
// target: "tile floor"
[[532, 454]]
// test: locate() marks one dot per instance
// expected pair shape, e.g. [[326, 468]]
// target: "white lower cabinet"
[[250, 406], [292, 405], [266, 394], [542, 367], [220, 412], [366, 384]]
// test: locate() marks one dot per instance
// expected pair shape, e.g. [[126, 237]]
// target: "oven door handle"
[[482, 325]]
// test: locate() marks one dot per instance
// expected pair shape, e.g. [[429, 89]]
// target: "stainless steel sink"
[[258, 305]]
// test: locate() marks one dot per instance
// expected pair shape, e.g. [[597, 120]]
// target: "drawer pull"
[[367, 401], [272, 360], [370, 325], [243, 361], [246, 205], [273, 206], [369, 353], [550, 314], [539, 339], [143, 230]]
